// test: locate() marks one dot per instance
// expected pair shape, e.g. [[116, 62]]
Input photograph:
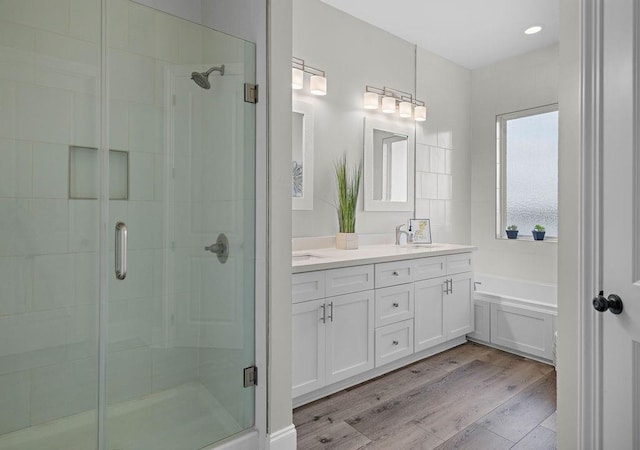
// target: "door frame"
[[590, 225], [590, 245]]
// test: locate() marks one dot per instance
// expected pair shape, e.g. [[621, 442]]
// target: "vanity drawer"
[[393, 342], [392, 273], [394, 304], [426, 268], [307, 286], [348, 279], [459, 263]]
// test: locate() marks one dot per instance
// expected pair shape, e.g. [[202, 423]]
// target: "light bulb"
[[370, 100], [318, 85], [405, 109], [420, 113], [297, 78], [388, 105]]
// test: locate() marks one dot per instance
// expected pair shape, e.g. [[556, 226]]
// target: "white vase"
[[346, 241]]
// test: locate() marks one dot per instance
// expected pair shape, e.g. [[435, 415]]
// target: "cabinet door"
[[429, 315], [308, 355], [458, 306], [349, 335]]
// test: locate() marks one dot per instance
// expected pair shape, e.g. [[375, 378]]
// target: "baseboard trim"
[[284, 439]]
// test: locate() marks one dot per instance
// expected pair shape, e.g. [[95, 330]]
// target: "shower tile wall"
[[49, 86]]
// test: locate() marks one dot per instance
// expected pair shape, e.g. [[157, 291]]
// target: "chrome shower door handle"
[[121, 250]]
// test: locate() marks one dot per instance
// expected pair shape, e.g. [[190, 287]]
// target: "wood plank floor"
[[469, 397]]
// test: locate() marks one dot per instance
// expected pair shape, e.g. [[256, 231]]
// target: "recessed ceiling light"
[[533, 30]]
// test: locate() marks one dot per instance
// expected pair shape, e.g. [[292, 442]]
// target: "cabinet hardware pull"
[[446, 286], [395, 273], [331, 313], [451, 285], [395, 305], [395, 342], [323, 319]]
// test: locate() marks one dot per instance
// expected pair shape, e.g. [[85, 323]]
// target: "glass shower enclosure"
[[127, 228]]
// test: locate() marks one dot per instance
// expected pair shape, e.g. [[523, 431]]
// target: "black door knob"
[[612, 303]]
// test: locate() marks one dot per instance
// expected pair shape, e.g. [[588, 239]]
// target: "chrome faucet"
[[400, 232]]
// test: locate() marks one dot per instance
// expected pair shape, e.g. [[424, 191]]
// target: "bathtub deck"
[[471, 396]]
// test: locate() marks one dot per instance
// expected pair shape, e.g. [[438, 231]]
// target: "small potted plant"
[[512, 232], [348, 184], [538, 232]]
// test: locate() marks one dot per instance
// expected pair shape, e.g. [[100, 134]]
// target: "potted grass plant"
[[348, 187], [512, 232], [538, 232]]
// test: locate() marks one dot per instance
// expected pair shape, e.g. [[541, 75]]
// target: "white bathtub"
[[516, 316]]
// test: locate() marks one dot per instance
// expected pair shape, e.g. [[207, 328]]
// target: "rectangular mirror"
[[302, 156], [388, 166]]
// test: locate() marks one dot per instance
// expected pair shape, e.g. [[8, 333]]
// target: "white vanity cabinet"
[[444, 305], [354, 323], [332, 336]]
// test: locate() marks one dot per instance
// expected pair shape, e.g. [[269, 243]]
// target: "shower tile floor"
[[469, 397], [148, 423]]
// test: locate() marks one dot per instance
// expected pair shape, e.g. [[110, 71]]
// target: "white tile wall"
[[44, 114], [63, 389], [16, 170], [15, 284], [14, 401], [50, 170], [53, 281]]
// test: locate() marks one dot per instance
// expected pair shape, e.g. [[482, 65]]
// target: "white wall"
[[279, 257], [515, 84], [355, 54], [443, 151]]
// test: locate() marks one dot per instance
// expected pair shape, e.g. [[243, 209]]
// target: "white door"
[[621, 246], [350, 323]]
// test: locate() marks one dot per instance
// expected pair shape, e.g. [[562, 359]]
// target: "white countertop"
[[332, 258]]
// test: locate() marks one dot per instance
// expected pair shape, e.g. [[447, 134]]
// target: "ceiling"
[[471, 33]]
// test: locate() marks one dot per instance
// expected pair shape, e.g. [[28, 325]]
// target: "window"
[[527, 171]]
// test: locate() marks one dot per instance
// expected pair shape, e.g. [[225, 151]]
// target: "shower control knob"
[[220, 248], [612, 303]]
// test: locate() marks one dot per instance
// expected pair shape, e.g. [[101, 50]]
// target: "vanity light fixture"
[[420, 113], [297, 78], [371, 100], [533, 29], [394, 100], [388, 105], [317, 82], [405, 109]]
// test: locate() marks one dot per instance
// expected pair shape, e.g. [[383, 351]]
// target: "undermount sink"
[[303, 257]]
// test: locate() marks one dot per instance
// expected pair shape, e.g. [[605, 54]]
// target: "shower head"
[[202, 78]]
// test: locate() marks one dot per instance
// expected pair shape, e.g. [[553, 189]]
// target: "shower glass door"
[[49, 103], [181, 324]]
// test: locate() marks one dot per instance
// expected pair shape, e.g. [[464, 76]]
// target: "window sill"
[[529, 239]]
